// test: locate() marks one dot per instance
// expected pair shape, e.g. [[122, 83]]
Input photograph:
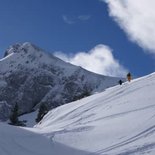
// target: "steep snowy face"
[[29, 76], [12, 49], [25, 56], [118, 121]]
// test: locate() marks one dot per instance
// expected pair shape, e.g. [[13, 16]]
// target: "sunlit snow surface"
[[118, 121]]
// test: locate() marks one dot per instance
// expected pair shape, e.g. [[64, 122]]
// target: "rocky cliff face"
[[29, 76]]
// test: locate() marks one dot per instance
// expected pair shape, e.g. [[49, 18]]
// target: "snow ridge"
[[117, 121], [29, 76]]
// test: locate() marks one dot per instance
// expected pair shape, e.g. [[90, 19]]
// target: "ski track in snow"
[[118, 121], [143, 134], [86, 113]]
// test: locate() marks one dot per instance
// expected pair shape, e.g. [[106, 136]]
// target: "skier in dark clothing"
[[120, 82]]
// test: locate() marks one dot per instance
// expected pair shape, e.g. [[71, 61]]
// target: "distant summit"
[[29, 76], [18, 47], [12, 49]]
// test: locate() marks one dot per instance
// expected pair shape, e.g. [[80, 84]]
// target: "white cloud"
[[68, 20], [74, 19], [137, 19], [99, 60]]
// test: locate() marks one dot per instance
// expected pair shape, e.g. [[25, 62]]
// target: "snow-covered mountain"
[[30, 76], [118, 121]]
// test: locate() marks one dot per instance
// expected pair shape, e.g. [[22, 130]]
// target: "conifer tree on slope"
[[14, 116], [42, 111]]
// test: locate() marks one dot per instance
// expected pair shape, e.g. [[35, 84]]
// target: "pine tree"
[[14, 116], [42, 111]]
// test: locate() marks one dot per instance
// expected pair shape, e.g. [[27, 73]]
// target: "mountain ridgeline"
[[29, 76]]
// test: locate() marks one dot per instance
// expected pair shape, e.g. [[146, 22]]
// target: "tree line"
[[43, 109]]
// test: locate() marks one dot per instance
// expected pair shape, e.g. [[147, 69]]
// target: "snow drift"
[[118, 121]]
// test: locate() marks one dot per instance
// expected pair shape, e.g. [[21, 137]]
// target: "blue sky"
[[69, 27]]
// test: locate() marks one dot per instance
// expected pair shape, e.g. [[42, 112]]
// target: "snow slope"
[[118, 121], [19, 141], [29, 118]]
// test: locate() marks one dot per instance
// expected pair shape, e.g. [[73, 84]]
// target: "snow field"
[[118, 121]]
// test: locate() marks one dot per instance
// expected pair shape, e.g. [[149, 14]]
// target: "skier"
[[129, 76], [120, 82]]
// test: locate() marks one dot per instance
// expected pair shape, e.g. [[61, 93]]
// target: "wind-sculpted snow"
[[119, 121], [29, 76], [19, 141]]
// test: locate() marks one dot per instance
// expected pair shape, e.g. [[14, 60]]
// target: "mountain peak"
[[18, 47], [28, 45], [29, 76], [12, 49]]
